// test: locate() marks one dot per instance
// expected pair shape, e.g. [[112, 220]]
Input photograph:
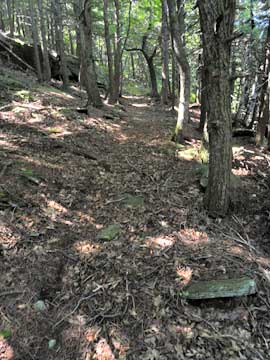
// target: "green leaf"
[[5, 333]]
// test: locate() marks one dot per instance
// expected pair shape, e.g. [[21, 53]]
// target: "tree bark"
[[10, 8], [60, 41], [117, 55], [177, 27], [87, 60], [165, 53], [263, 120], [2, 23], [46, 61], [35, 39], [217, 22], [108, 48]]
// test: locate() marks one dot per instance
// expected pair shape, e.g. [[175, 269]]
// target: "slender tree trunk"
[[152, 73], [133, 66], [35, 39], [173, 79], [87, 60], [217, 47], [60, 41], [165, 53], [203, 113], [46, 61], [263, 120], [10, 8], [108, 48], [2, 23], [18, 23], [76, 8], [177, 25], [71, 45], [117, 55]]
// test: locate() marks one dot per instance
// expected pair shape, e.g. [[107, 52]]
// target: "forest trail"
[[65, 177]]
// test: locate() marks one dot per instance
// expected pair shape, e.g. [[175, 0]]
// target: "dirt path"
[[119, 298]]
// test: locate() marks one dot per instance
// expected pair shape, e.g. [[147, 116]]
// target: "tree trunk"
[[152, 73], [133, 66], [177, 25], [87, 61], [60, 41], [263, 120], [10, 8], [108, 48], [46, 61], [35, 39], [117, 55], [76, 8], [2, 23], [165, 53], [217, 22], [203, 100], [173, 80]]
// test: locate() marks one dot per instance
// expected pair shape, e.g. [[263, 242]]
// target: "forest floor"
[[70, 291]]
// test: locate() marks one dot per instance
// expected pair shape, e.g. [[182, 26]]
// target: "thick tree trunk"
[[87, 61], [46, 61], [108, 48], [165, 53], [35, 39], [177, 25], [217, 21], [152, 73]]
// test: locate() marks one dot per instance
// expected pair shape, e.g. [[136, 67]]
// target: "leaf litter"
[[121, 299]]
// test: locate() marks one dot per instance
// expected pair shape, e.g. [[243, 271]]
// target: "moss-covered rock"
[[110, 232], [133, 202]]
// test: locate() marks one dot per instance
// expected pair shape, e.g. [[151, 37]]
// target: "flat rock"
[[110, 232], [220, 289], [133, 202]]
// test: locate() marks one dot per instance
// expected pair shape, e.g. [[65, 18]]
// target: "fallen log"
[[16, 57], [24, 55]]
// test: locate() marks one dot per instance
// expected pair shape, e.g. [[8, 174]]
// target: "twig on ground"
[[11, 292], [74, 310]]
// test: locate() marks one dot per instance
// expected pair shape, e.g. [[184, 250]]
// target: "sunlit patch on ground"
[[142, 105], [91, 334], [191, 237], [8, 238], [241, 172], [86, 247], [160, 241], [238, 250], [57, 207], [6, 351], [103, 351], [185, 275]]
